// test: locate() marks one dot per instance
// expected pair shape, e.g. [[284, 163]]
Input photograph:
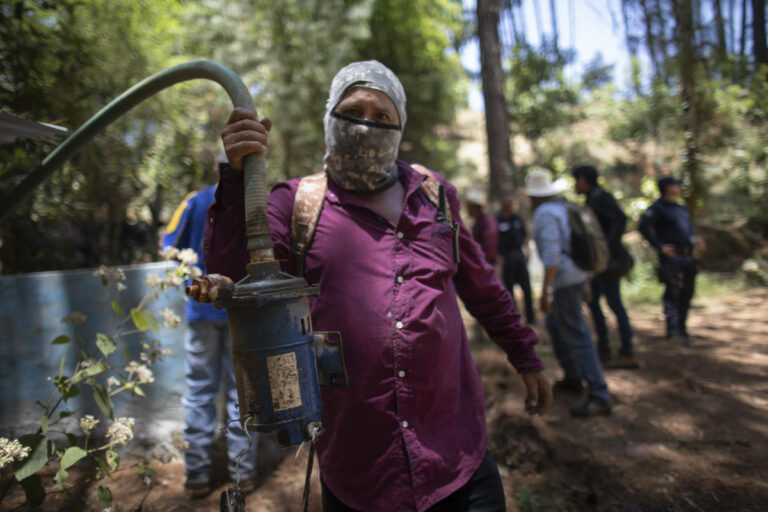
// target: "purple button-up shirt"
[[409, 429]]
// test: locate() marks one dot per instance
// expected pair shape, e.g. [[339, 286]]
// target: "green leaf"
[[137, 390], [105, 344], [40, 451], [105, 496], [60, 478], [102, 399], [71, 456], [96, 369], [64, 414], [117, 309], [104, 470], [113, 459], [60, 340], [34, 491], [62, 363], [72, 439], [44, 424], [71, 392], [139, 319]]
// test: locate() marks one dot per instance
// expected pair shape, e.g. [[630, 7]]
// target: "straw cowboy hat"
[[539, 183], [476, 196]]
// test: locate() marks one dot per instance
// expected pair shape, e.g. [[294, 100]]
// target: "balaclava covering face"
[[360, 155]]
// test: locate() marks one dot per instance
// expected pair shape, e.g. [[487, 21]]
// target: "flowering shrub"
[[29, 454]]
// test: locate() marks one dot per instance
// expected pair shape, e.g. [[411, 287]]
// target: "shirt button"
[[211, 220], [399, 279], [399, 325], [405, 424], [401, 373], [400, 235]]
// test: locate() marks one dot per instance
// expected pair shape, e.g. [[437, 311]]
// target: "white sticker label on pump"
[[284, 381]]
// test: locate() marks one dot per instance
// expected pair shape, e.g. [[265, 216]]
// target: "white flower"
[[143, 374], [121, 287], [172, 279], [11, 450], [112, 381], [153, 281], [109, 273], [187, 256], [195, 271], [75, 318], [169, 253], [121, 431], [170, 319], [88, 423]]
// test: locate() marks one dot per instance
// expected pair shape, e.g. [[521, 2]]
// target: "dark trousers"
[[610, 287], [679, 276], [483, 493], [515, 272]]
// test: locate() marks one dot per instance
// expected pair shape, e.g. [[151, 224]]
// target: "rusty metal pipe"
[[259, 242]]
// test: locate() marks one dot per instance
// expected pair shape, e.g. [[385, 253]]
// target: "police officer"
[[513, 250], [666, 225]]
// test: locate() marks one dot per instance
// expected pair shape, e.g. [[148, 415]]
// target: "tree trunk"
[[687, 60], [501, 176], [743, 44], [758, 31], [555, 33], [720, 29], [650, 39]]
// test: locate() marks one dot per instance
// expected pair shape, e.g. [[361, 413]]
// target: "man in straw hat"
[[562, 293], [408, 432]]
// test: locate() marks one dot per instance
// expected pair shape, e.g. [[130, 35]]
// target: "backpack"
[[308, 204], [589, 250]]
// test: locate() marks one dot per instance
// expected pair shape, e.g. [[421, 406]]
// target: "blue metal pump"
[[279, 362]]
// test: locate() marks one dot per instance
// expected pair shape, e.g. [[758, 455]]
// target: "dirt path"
[[688, 432]]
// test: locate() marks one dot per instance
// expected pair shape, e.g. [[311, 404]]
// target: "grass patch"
[[642, 286]]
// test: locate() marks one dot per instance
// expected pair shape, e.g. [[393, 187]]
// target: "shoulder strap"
[[431, 188], [307, 206]]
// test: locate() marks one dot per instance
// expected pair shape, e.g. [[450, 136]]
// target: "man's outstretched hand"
[[538, 392]]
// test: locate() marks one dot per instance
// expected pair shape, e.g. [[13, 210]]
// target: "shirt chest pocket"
[[442, 246]]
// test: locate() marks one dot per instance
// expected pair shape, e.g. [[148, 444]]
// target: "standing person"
[[513, 238], [666, 225], [612, 221], [562, 293], [207, 362], [408, 432], [484, 229]]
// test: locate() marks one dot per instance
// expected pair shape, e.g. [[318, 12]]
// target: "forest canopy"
[[696, 106]]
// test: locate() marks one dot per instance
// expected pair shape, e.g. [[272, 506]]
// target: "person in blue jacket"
[[208, 362], [666, 225]]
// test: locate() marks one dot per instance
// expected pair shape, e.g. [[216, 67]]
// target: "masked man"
[[408, 432]]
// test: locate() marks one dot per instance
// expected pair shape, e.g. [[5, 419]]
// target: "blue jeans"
[[602, 284], [572, 342], [208, 361]]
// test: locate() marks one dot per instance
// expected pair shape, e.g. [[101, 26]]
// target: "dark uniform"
[[613, 221], [666, 223], [512, 237]]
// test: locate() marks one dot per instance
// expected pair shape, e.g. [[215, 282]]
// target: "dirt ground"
[[688, 432]]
